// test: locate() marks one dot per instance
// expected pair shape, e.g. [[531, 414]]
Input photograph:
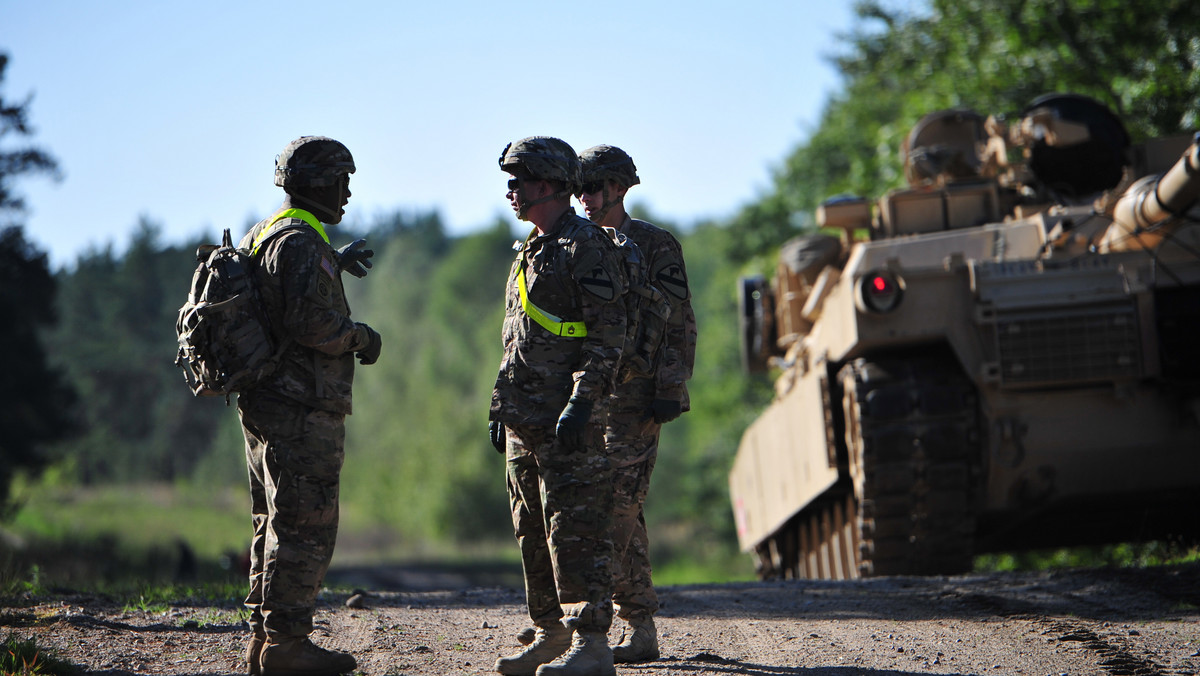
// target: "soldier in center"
[[564, 327]]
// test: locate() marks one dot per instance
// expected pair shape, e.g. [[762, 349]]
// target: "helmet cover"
[[544, 158], [312, 162], [608, 163]]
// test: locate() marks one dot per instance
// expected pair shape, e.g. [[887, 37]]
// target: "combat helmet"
[[543, 158], [312, 162], [608, 163]]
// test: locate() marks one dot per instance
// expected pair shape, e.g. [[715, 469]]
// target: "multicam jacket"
[[301, 286], [572, 274], [673, 368]]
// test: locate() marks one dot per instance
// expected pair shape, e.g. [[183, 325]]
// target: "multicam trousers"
[[562, 513], [294, 454], [632, 444]]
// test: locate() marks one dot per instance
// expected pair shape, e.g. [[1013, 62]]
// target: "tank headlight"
[[880, 291]]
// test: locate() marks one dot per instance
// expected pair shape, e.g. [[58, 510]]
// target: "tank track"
[[911, 442], [912, 436]]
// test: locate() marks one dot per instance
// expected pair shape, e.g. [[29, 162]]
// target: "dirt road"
[[1078, 622]]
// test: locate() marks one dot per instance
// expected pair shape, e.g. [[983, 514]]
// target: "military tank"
[[1000, 356]]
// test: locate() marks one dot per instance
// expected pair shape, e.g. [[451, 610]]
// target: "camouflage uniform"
[[632, 433], [294, 426], [561, 500]]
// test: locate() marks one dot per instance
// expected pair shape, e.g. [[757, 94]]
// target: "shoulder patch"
[[322, 281], [670, 277], [324, 290], [598, 282]]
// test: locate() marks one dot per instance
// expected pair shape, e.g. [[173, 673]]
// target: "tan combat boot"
[[589, 656], [299, 657], [547, 644], [639, 643]]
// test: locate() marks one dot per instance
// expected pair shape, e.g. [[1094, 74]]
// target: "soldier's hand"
[[572, 423], [353, 258], [369, 354], [665, 410], [496, 433]]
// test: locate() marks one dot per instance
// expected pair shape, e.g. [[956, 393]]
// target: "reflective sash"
[[288, 213], [545, 319]]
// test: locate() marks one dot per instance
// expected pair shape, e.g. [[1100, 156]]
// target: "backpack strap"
[[264, 236], [269, 232]]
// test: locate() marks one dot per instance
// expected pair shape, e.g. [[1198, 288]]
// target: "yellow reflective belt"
[[546, 320], [288, 213]]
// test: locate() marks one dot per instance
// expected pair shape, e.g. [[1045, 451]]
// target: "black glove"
[[370, 353], [665, 410], [496, 432], [353, 258], [572, 423]]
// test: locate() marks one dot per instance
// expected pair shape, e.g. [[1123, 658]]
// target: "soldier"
[[564, 326], [641, 404], [294, 422]]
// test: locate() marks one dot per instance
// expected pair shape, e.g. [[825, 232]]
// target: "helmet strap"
[[322, 209], [524, 206], [608, 204]]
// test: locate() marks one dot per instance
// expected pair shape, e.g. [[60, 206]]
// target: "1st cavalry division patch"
[[599, 283]]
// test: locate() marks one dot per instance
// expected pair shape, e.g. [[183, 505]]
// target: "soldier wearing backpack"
[[293, 421], [641, 403]]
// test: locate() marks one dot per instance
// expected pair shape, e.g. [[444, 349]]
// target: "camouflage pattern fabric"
[[664, 256], [631, 439], [294, 453], [561, 505], [312, 162], [302, 290], [543, 157], [608, 163], [574, 272], [561, 499], [294, 426], [632, 435]]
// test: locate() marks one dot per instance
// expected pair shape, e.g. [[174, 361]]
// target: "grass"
[[23, 657], [211, 522], [120, 540], [123, 540], [1124, 555], [212, 617], [716, 567], [144, 606], [15, 581], [151, 546]]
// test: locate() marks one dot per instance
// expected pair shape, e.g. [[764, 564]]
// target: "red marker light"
[[880, 292]]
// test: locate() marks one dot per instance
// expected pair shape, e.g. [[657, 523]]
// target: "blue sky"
[[175, 111]]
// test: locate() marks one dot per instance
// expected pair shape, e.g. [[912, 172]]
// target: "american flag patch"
[[328, 267]]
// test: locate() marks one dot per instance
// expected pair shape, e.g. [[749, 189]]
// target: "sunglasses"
[[593, 187], [514, 184]]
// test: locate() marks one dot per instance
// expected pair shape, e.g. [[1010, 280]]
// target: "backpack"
[[225, 340], [646, 311]]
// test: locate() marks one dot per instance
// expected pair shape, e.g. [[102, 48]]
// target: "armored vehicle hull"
[[997, 368]]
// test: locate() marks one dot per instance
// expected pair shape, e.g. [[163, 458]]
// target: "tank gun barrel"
[[1150, 210]]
